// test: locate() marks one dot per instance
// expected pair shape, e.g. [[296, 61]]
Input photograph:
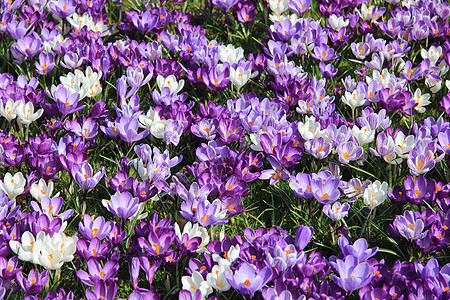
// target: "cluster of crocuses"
[[67, 57]]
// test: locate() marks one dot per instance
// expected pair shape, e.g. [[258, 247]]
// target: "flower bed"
[[224, 149]]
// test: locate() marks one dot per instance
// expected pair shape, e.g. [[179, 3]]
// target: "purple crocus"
[[122, 205], [102, 291], [277, 172], [35, 282], [67, 103], [95, 228], [247, 280], [353, 274], [46, 63], [408, 227], [97, 273], [303, 237], [325, 190], [85, 177], [63, 8], [127, 130]]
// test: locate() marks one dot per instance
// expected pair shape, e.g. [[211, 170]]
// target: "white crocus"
[[41, 189], [57, 250], [170, 82], [278, 6], [13, 186], [311, 129], [383, 78], [26, 114], [433, 54], [337, 23], [194, 231], [157, 129], [447, 84], [29, 248], [366, 12], [375, 194], [403, 144], [230, 54], [141, 168], [230, 256], [217, 278], [434, 85], [421, 100], [256, 140], [91, 82], [239, 77], [354, 99], [9, 109], [196, 282], [146, 121], [364, 135]]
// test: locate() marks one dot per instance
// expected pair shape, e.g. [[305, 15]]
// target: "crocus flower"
[[26, 114], [85, 177], [35, 282], [8, 110], [63, 8], [337, 211], [97, 273], [359, 250], [353, 274], [247, 280], [196, 282], [13, 186], [277, 173], [409, 227], [375, 194], [303, 236], [122, 205], [95, 228]]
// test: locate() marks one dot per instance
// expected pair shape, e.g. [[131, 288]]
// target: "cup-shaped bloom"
[[196, 282], [85, 177], [63, 8], [29, 247], [102, 291], [13, 185], [26, 114], [35, 282], [325, 190], [353, 275], [349, 151], [336, 211], [9, 109], [41, 189], [375, 194], [122, 205], [170, 82], [354, 99], [66, 102], [210, 213], [360, 249], [420, 163], [96, 228], [217, 279], [408, 227], [56, 250], [46, 63], [247, 280], [128, 130]]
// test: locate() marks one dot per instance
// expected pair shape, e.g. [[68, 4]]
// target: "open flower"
[[408, 227], [375, 194], [247, 280], [26, 114], [13, 186], [122, 205]]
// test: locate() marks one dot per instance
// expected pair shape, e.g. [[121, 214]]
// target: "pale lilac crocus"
[[123, 205], [409, 227], [353, 274], [85, 177], [337, 211]]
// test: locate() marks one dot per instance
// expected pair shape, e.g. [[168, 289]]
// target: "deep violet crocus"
[[247, 280], [277, 172], [35, 282]]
